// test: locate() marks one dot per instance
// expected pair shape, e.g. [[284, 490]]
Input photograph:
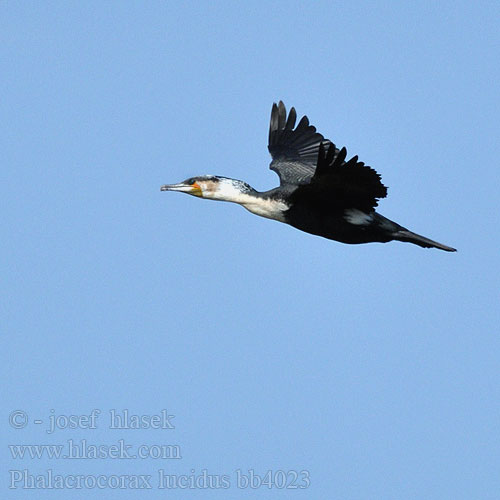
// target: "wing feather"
[[304, 158], [294, 151], [340, 185]]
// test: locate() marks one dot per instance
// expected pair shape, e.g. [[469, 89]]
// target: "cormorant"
[[320, 192]]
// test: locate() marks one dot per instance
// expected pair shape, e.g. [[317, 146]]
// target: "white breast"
[[269, 208]]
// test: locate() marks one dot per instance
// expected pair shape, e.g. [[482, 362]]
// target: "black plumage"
[[329, 193]]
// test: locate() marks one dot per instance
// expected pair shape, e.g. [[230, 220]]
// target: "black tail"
[[421, 241]]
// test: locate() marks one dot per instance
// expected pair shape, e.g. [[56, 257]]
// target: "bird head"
[[211, 187], [204, 186]]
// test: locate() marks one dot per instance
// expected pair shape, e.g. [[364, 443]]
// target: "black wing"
[[339, 185], [294, 151]]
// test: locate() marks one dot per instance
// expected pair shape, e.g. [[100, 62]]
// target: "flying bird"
[[320, 192]]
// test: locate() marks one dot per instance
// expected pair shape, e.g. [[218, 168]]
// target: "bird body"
[[320, 192]]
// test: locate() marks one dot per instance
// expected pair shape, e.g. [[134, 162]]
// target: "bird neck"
[[263, 204]]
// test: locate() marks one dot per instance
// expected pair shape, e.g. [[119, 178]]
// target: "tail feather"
[[422, 241]]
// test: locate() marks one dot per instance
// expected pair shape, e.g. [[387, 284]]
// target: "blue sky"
[[372, 367]]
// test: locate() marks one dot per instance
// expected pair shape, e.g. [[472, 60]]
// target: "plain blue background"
[[374, 367]]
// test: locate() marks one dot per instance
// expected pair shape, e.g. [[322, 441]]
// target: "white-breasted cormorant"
[[320, 192]]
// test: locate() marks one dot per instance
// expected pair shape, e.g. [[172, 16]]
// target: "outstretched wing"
[[294, 150], [339, 185], [303, 157]]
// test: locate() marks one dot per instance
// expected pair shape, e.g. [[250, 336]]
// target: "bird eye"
[[191, 181]]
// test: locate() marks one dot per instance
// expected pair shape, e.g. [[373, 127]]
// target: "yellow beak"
[[193, 189]]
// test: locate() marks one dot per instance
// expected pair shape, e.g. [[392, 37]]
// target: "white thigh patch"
[[357, 217]]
